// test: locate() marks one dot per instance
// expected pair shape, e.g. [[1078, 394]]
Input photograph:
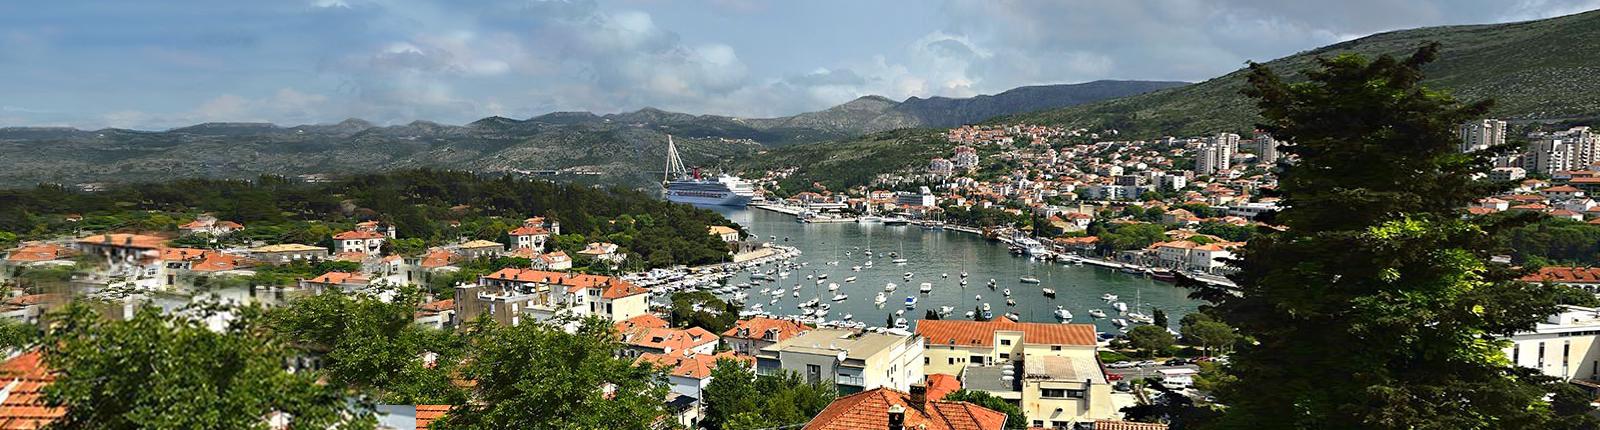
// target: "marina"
[[933, 260]]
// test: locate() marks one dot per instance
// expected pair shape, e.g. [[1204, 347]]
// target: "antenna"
[[674, 164]]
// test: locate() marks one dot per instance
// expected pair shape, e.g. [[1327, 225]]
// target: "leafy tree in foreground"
[[1150, 340], [374, 346], [738, 400], [172, 372], [1378, 307], [538, 376]]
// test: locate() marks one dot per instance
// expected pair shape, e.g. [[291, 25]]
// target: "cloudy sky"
[[160, 64]]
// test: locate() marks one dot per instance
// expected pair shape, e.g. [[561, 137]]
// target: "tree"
[[1575, 296], [1150, 340], [1158, 317], [374, 346], [537, 375], [170, 371], [17, 334], [1167, 406], [737, 399], [732, 391], [1208, 334], [1014, 417], [1377, 307]]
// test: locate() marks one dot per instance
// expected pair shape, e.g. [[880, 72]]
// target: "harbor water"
[[930, 255]]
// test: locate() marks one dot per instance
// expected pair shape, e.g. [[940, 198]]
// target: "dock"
[[783, 209]]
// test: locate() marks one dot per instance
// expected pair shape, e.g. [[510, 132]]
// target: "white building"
[[855, 361], [1482, 134], [1562, 346]]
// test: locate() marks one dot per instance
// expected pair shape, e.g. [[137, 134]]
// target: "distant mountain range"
[[1534, 70], [622, 148]]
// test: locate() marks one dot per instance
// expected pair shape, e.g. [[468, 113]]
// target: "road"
[[1134, 373]]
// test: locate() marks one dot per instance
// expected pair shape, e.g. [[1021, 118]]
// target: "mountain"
[[1535, 70], [621, 148]]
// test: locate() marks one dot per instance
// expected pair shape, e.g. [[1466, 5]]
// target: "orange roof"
[[981, 333], [427, 414], [1561, 189], [37, 252], [940, 385], [340, 278], [697, 366], [1127, 425], [758, 326], [670, 340], [529, 230], [23, 406], [646, 321], [125, 240], [722, 229], [614, 288], [351, 256], [870, 410], [439, 305], [358, 234], [436, 258], [216, 262], [1570, 275]]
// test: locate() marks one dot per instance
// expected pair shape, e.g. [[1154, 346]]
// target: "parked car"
[[1113, 376], [1121, 365], [1178, 362], [1145, 363], [1123, 386]]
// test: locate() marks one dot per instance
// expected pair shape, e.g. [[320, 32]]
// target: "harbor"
[[822, 262]]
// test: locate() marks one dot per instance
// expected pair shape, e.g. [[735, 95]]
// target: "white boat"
[[963, 273], [1140, 318], [850, 279], [1048, 292], [820, 281], [1007, 292], [899, 312], [900, 323], [898, 261], [908, 275], [797, 294], [1108, 297], [809, 276], [944, 275], [680, 186], [833, 286], [848, 317], [1120, 307], [772, 302], [970, 314], [1096, 313], [869, 219], [911, 302], [977, 297], [925, 287], [1010, 302], [855, 268], [1029, 280], [1063, 314], [1013, 316], [945, 310], [889, 287], [1119, 322], [879, 299], [867, 264], [822, 276], [840, 297], [963, 282]]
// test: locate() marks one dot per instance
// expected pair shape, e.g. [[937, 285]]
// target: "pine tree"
[[1378, 307]]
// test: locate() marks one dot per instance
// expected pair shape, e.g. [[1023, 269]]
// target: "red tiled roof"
[[436, 258], [1561, 189], [981, 333], [358, 234], [870, 410], [37, 252], [1569, 275], [614, 288], [758, 327], [646, 321], [940, 385], [427, 414], [23, 407], [671, 340], [697, 366], [125, 240], [340, 278], [529, 230]]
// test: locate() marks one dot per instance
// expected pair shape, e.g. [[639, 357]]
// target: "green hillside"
[[1535, 70]]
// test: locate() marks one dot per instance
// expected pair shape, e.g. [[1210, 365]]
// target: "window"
[[1053, 393], [1075, 394], [978, 359], [952, 360], [1038, 423], [1516, 353], [1541, 355], [1005, 356], [813, 373], [1005, 342], [926, 360]]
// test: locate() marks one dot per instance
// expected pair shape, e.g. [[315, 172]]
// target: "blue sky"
[[161, 64]]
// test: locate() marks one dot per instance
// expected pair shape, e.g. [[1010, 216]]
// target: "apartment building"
[[854, 360], [513, 295], [1051, 371]]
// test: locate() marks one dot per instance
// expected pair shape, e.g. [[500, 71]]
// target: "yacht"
[[848, 317], [911, 302], [1013, 316], [840, 297], [1049, 292], [1140, 318], [855, 268], [880, 299], [898, 261], [869, 219], [1119, 322], [1108, 297], [944, 275], [1096, 313], [987, 314], [895, 221], [1030, 280], [833, 286], [900, 323], [1063, 314], [963, 282], [1010, 302], [970, 314], [822, 276], [963, 273], [889, 287], [867, 264], [1120, 307], [850, 279], [946, 310], [925, 288], [1007, 292]]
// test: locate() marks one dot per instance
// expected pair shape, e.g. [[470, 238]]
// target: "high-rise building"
[[1573, 149], [1482, 134], [1215, 154], [1266, 148]]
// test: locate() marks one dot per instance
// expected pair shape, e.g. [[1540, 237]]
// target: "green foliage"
[[172, 372], [714, 314], [1200, 329], [1150, 340], [1228, 232], [839, 165], [537, 375], [1551, 241], [17, 334], [289, 274], [372, 346], [1124, 237], [1378, 306], [1014, 417], [1575, 296], [738, 400]]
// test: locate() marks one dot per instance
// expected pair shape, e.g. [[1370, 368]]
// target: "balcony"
[[852, 380]]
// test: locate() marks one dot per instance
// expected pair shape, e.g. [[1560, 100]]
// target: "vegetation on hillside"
[[1534, 70], [839, 165]]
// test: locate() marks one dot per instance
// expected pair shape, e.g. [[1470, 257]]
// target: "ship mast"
[[675, 167]]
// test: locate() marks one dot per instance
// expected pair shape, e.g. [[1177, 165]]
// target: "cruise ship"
[[681, 186]]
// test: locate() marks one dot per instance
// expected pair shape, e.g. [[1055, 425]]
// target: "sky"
[[168, 63]]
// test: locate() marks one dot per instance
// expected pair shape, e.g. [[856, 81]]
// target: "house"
[[689, 374], [669, 341], [1186, 255], [1060, 381], [1177, 378], [1585, 278], [750, 335], [1563, 346], [557, 260], [1179, 217], [1561, 192], [207, 224], [727, 234], [22, 404], [120, 247], [602, 251], [288, 253], [479, 249], [512, 294], [438, 314], [342, 281], [29, 308], [530, 238], [358, 241], [919, 409], [1079, 221], [855, 361]]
